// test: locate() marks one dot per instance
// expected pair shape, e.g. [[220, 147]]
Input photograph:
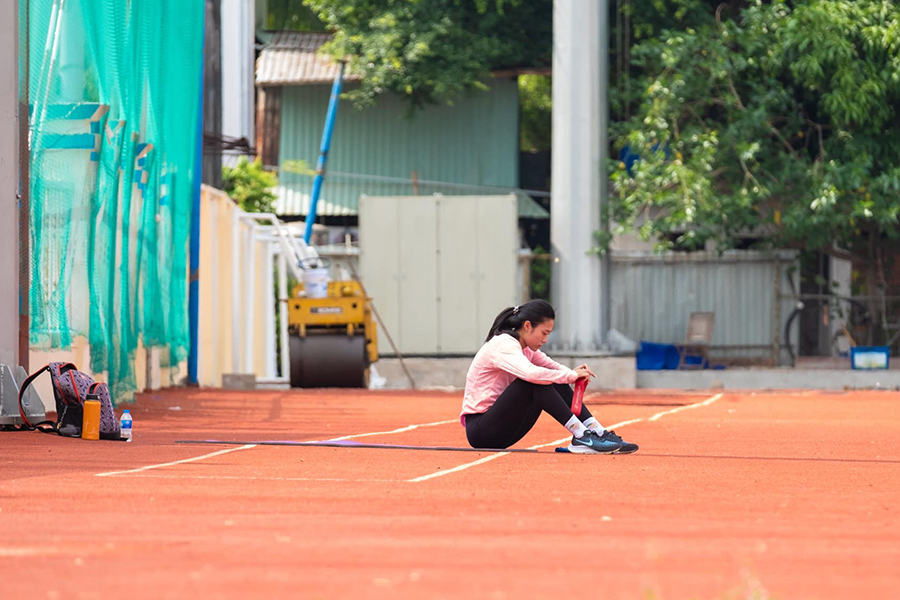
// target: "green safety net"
[[114, 96]]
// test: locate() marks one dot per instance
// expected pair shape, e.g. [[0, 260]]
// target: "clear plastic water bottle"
[[125, 425]]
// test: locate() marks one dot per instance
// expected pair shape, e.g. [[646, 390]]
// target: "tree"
[[432, 51], [250, 186], [290, 15], [535, 112], [777, 121]]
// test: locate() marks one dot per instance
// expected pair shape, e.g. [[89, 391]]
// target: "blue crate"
[[870, 357], [656, 357]]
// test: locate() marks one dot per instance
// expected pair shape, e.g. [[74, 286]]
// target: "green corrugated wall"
[[473, 142]]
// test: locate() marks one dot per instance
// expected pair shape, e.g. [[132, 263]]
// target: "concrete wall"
[[770, 379], [150, 374], [619, 373], [217, 324], [613, 372], [219, 321]]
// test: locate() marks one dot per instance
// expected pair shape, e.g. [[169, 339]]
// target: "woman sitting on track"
[[511, 381]]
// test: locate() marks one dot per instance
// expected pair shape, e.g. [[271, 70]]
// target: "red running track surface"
[[735, 495]]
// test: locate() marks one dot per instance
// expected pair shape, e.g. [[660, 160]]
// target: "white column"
[[270, 295], [283, 312], [236, 298], [9, 183], [249, 292], [238, 67], [579, 178]]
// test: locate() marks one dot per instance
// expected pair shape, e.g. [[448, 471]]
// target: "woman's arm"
[[509, 357], [542, 360]]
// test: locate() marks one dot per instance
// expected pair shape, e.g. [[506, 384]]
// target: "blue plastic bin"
[[656, 357], [870, 357]]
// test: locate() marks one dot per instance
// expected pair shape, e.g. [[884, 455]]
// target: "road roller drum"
[[332, 339], [327, 360]]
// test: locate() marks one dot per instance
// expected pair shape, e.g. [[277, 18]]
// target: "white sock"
[[594, 425], [576, 427]]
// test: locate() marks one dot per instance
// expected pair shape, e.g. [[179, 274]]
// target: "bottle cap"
[[128, 411]]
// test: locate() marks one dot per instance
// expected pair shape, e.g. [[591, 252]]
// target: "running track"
[[732, 495]]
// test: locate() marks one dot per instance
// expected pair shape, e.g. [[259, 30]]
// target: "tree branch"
[[772, 128], [734, 91]]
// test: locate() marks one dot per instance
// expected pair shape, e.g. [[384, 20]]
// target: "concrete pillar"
[[578, 188], [238, 68], [9, 183]]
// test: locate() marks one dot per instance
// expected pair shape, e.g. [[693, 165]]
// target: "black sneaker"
[[625, 447], [591, 443]]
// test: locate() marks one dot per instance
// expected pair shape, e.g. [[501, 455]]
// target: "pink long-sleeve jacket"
[[498, 363]]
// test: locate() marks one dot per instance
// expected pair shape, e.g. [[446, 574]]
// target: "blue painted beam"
[[323, 152], [194, 280]]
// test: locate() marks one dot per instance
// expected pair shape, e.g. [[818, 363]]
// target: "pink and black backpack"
[[71, 388]]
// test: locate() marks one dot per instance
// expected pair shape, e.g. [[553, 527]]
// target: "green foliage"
[[291, 15], [540, 275], [535, 112], [432, 51], [299, 167], [779, 121], [250, 186]]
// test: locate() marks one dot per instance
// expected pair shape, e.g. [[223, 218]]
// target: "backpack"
[[70, 389]]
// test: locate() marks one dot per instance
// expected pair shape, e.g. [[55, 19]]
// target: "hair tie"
[[515, 310]]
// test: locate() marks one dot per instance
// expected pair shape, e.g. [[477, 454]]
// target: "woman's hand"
[[587, 369], [583, 371]]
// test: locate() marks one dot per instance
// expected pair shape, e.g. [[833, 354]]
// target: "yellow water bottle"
[[90, 423]]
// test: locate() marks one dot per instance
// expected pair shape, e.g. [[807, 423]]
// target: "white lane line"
[[474, 463], [496, 456], [706, 402], [176, 462], [566, 439], [459, 468], [247, 446]]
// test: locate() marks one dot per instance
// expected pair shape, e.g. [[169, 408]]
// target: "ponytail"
[[513, 318]]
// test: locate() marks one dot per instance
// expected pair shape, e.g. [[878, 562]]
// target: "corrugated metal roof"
[[294, 200], [292, 59]]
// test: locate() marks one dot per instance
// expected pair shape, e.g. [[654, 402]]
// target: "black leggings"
[[516, 411]]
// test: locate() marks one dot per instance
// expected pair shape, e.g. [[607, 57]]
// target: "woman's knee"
[[523, 385], [564, 390]]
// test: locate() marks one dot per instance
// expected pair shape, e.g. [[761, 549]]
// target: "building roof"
[[292, 59]]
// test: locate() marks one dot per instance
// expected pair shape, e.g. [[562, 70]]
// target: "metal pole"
[[194, 280], [603, 148], [323, 152], [579, 172], [283, 313], [776, 318], [25, 197], [9, 183]]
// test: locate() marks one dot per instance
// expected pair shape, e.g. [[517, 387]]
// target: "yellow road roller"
[[332, 337]]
